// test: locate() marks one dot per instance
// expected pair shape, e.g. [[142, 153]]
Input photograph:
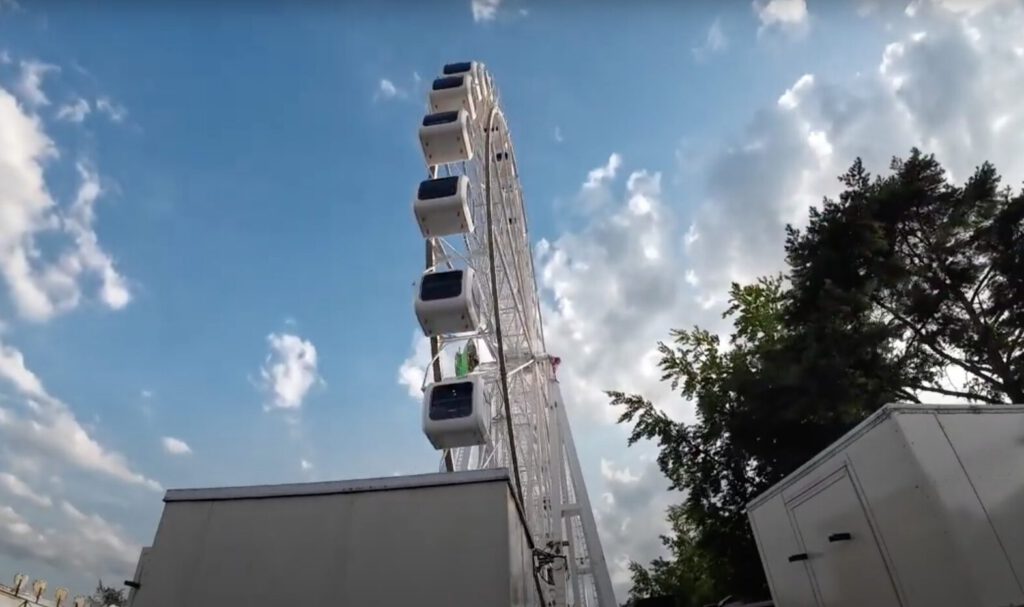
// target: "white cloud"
[[485, 10], [30, 84], [5, 57], [75, 111], [99, 540], [715, 42], [146, 394], [558, 134], [306, 465], [88, 256], [601, 175], [789, 17], [414, 368], [969, 7], [611, 290], [781, 12], [18, 488], [175, 446], [387, 89], [50, 430], [113, 110], [45, 282], [948, 91], [631, 517], [289, 371]]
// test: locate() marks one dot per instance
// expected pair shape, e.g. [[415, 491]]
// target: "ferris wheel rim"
[[502, 370]]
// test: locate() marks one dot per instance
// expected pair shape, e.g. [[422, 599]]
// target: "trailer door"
[[840, 547]]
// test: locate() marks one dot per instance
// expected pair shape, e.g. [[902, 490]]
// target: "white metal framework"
[[466, 134]]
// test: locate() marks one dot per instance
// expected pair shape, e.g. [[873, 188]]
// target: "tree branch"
[[969, 395], [930, 343], [908, 395], [1007, 382], [981, 283]]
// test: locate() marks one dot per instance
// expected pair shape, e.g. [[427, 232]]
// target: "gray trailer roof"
[[388, 483], [871, 421]]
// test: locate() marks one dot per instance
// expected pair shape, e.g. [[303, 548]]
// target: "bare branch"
[[981, 283], [958, 393], [934, 347]]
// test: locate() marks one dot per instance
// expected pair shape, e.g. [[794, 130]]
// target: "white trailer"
[[430, 540], [918, 506]]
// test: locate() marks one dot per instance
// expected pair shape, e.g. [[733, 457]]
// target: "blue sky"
[[204, 194]]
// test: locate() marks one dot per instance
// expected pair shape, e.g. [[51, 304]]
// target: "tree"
[[107, 596], [938, 268], [711, 460], [901, 279]]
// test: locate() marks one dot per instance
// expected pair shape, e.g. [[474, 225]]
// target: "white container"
[[456, 412], [442, 206], [918, 506], [432, 540], [444, 137], [445, 302], [453, 93]]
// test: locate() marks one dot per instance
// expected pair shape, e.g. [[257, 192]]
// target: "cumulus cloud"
[[48, 429], [631, 516], [175, 446], [484, 10], [85, 543], [43, 282], [611, 290], [950, 88], [781, 12], [19, 488], [290, 370], [788, 17], [715, 42], [75, 111]]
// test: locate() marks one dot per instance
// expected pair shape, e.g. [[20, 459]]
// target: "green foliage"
[[935, 270], [107, 596], [710, 460], [901, 279]]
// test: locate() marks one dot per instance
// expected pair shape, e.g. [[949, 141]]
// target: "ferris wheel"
[[501, 405]]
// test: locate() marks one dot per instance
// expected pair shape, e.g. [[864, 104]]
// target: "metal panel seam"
[[887, 560], [970, 481]]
